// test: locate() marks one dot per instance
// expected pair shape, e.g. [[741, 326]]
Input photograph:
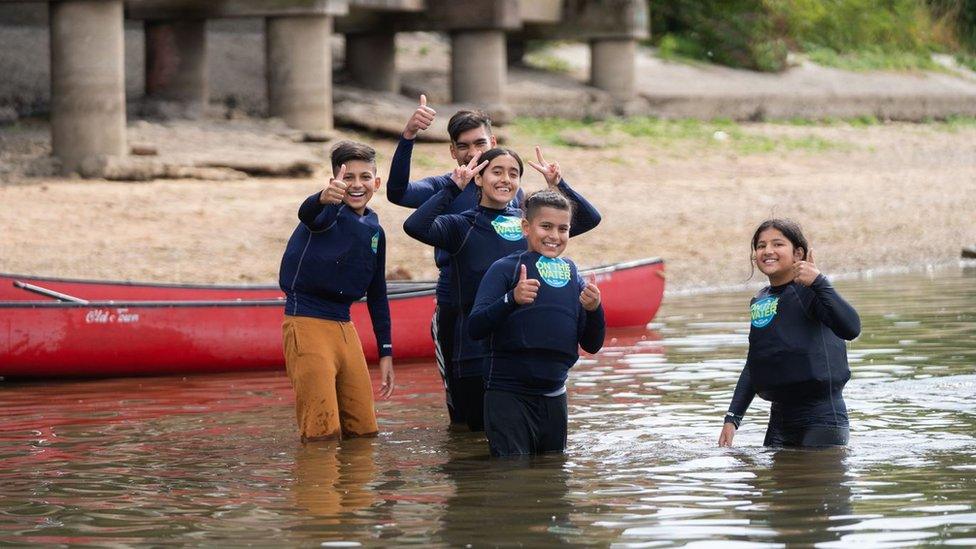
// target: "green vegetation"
[[851, 34], [956, 123], [873, 59], [718, 133], [544, 59]]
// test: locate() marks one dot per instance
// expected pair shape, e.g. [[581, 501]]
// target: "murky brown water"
[[215, 460]]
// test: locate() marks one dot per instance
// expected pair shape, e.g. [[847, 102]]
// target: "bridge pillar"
[[176, 65], [87, 80], [612, 66], [371, 60], [299, 70], [478, 67]]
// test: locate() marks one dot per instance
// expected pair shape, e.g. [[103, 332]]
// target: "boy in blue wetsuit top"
[[473, 241], [535, 311], [797, 355], [470, 133], [335, 256]]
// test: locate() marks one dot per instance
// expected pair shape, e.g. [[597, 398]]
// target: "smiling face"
[[362, 183], [775, 255], [475, 140], [548, 231], [499, 181]]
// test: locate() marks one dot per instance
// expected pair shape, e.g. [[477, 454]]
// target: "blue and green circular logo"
[[763, 311], [554, 271], [374, 243], [508, 227]]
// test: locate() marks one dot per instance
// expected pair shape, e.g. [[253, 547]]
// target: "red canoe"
[[123, 328]]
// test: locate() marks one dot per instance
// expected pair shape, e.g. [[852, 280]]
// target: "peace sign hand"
[[421, 119], [335, 191], [527, 288], [463, 174], [805, 272], [549, 171]]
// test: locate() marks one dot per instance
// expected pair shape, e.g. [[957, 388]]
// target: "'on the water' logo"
[[554, 271], [508, 227], [763, 311]]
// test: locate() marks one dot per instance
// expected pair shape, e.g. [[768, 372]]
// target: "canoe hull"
[[232, 332]]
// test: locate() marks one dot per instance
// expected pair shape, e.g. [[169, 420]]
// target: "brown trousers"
[[327, 369]]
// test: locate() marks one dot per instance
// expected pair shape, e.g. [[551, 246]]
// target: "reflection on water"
[[214, 459]]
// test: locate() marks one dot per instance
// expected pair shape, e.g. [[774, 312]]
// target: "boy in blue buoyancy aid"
[[474, 239], [797, 355], [535, 311], [335, 256]]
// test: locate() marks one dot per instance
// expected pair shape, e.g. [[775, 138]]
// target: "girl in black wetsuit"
[[797, 356]]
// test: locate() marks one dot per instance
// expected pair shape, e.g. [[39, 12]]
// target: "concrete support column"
[[87, 80], [176, 65], [612, 66], [371, 61], [478, 67], [299, 70]]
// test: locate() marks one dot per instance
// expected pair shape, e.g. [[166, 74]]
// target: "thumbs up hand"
[[805, 272], [527, 288], [421, 119], [590, 296], [336, 189]]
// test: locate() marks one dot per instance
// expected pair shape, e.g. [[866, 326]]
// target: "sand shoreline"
[[877, 197]]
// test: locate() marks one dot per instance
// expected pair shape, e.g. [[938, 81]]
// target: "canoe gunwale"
[[275, 302]]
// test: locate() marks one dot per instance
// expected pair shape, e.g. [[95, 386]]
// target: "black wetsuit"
[[798, 361]]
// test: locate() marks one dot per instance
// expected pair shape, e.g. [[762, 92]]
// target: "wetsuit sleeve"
[[585, 215], [594, 332], [494, 302], [403, 192], [594, 325], [427, 224], [316, 215], [741, 398], [831, 309], [378, 303]]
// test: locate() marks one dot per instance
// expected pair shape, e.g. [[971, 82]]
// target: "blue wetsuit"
[[532, 347], [412, 194], [469, 241], [798, 360], [334, 258]]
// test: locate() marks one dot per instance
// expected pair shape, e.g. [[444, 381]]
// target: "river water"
[[214, 459]]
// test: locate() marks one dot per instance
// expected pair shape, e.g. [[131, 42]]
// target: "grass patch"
[[954, 124], [714, 134], [967, 60], [424, 161], [544, 59], [873, 60]]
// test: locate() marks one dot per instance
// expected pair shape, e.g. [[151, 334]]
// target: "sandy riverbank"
[[875, 196]]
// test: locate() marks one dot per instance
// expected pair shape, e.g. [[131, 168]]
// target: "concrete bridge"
[[88, 114]]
